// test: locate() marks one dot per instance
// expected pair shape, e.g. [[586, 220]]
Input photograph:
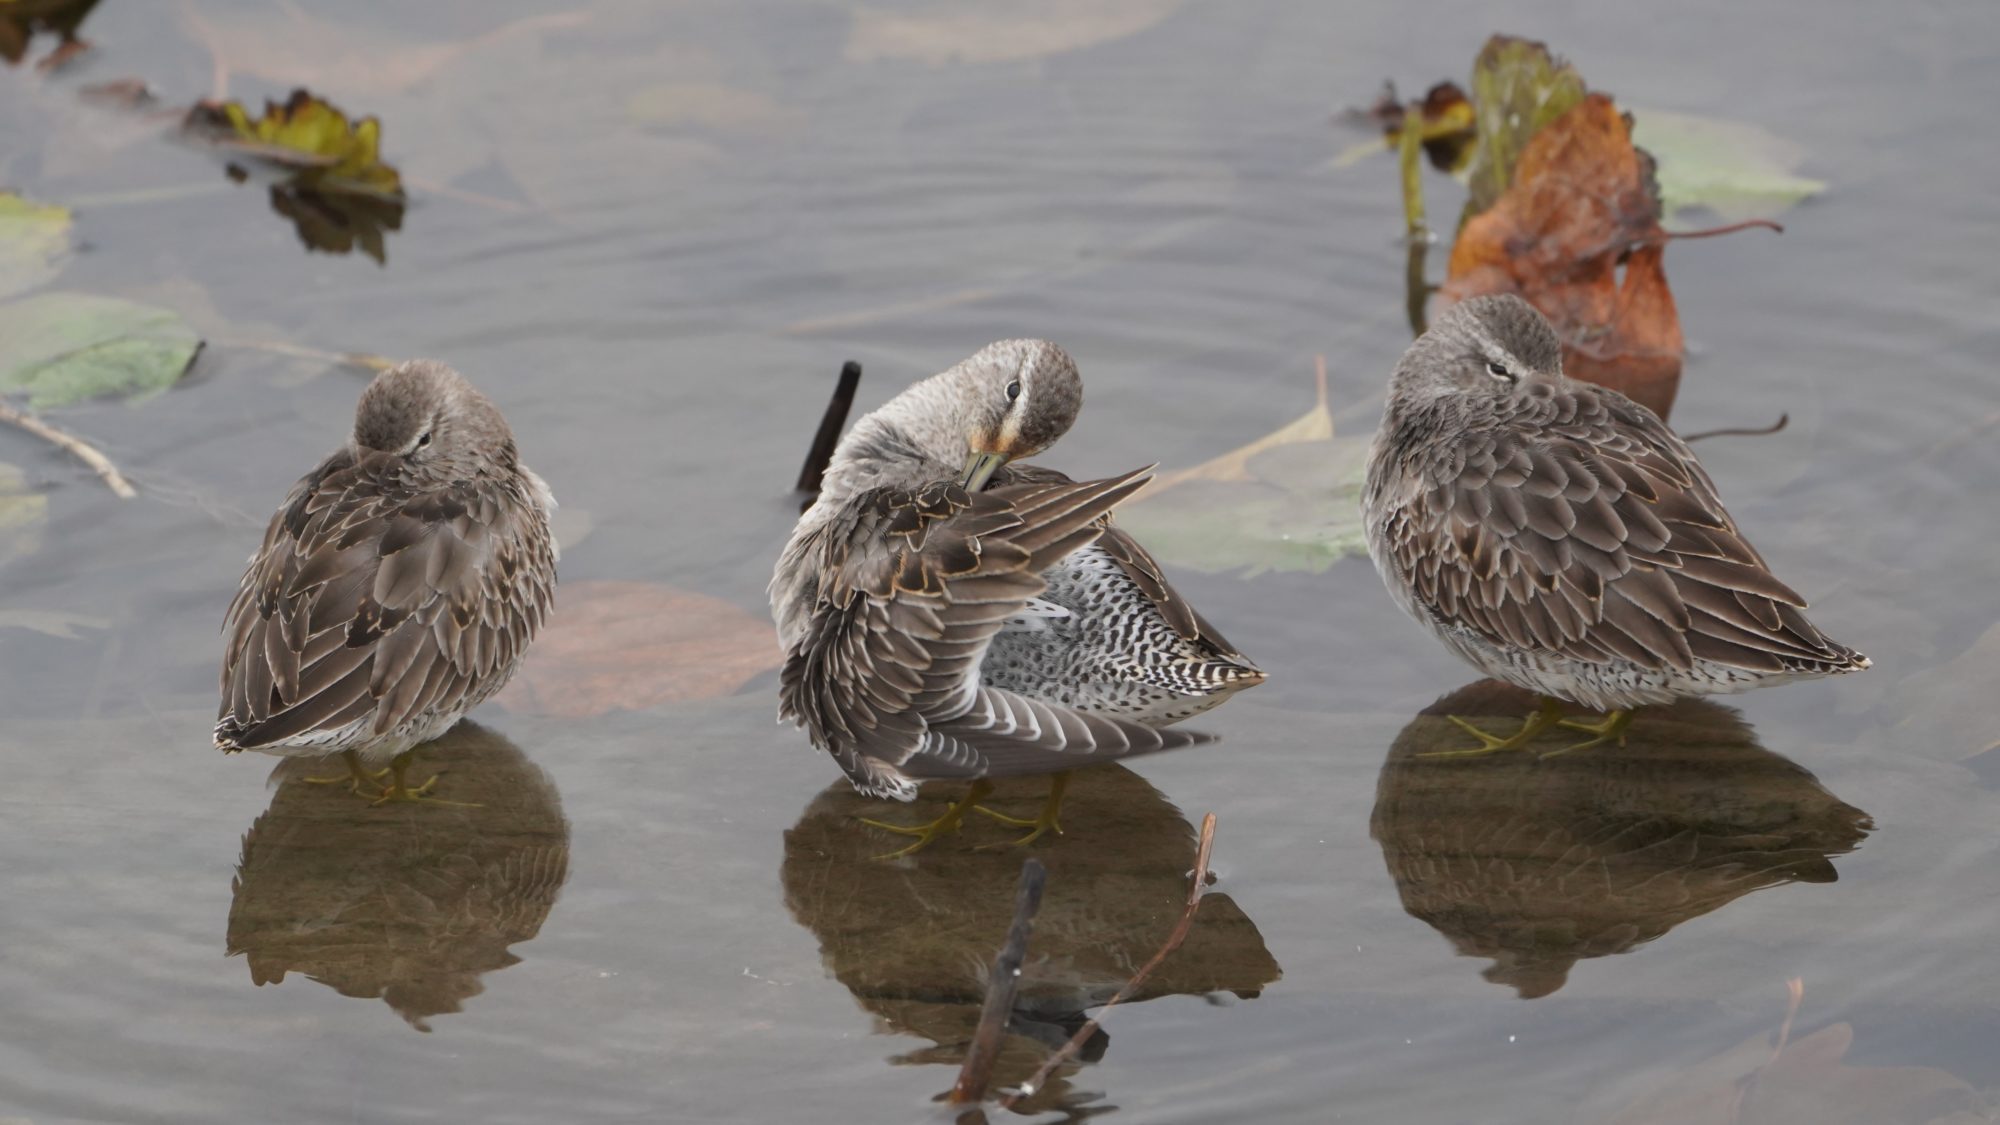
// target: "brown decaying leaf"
[[1578, 235], [633, 645]]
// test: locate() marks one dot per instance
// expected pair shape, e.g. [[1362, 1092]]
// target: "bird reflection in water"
[[913, 941], [1539, 863], [409, 903]]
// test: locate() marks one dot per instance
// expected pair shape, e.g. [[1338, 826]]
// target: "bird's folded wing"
[[1138, 565], [369, 602], [916, 586], [1592, 533]]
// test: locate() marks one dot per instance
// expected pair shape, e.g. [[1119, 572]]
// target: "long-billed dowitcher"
[[397, 587], [945, 614], [1558, 536]]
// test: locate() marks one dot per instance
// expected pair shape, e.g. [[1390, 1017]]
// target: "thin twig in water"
[[977, 1072], [1198, 884], [362, 360], [1742, 431], [830, 425], [77, 447]]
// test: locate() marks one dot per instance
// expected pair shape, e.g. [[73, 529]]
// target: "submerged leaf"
[[23, 512], [1736, 170], [972, 31], [63, 348], [34, 237], [49, 622], [1289, 501], [1517, 88], [632, 645], [1807, 1078]]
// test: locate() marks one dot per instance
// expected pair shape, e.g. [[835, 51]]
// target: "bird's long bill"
[[979, 469]]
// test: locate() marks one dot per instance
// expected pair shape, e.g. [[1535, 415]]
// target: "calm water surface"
[[652, 232]]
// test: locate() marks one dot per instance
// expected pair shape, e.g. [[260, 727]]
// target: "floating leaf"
[[1577, 234], [633, 645], [1289, 501], [1735, 170], [973, 31], [306, 134], [34, 237], [1517, 89], [63, 348], [23, 512], [48, 622]]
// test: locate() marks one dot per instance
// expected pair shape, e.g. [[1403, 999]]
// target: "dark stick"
[[1174, 939], [830, 426], [1000, 986]]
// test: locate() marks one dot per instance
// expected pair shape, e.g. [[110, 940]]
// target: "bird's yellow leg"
[[1547, 715], [399, 789], [1612, 726], [925, 833], [356, 777], [1041, 825]]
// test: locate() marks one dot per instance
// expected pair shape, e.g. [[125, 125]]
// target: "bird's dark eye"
[[1013, 390], [424, 440], [1499, 370]]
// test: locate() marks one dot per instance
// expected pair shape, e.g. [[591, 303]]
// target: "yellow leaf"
[[308, 134], [1314, 425]]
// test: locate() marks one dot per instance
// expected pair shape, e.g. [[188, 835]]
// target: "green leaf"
[[63, 348], [1289, 501], [33, 241], [23, 512], [1735, 170], [1517, 87]]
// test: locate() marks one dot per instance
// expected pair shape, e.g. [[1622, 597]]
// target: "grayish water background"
[[1159, 201]]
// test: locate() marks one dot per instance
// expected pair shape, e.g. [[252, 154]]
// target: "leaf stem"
[[1411, 159]]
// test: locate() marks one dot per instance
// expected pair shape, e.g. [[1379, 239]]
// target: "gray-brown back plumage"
[[1559, 536], [399, 584]]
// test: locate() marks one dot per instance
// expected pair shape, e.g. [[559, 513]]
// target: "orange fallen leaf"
[[633, 645], [1578, 235]]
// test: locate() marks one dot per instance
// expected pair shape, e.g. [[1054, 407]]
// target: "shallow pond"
[[652, 233]]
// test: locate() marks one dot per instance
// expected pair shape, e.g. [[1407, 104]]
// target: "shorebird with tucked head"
[[397, 587], [948, 613], [1558, 536]]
